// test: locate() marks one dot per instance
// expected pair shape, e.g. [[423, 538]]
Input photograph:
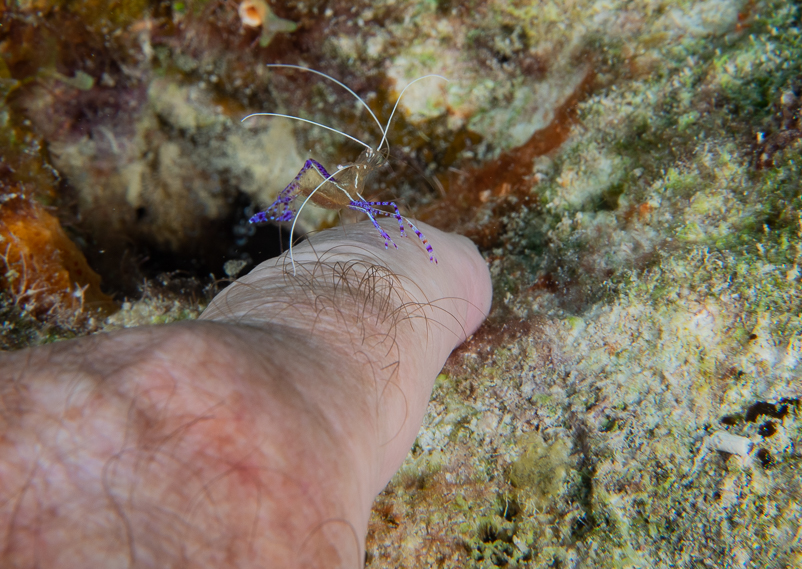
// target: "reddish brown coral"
[[490, 187]]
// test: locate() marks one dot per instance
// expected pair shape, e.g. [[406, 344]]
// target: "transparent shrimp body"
[[343, 188]]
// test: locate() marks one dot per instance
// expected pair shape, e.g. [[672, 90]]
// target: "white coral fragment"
[[731, 444]]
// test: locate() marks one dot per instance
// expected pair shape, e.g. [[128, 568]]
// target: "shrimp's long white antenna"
[[310, 122], [387, 128], [330, 78], [300, 209]]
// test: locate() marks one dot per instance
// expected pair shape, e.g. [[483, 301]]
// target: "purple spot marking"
[[280, 210], [371, 209]]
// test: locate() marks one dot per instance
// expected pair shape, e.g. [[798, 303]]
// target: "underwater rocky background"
[[631, 171]]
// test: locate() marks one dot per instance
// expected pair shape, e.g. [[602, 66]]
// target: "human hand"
[[256, 436]]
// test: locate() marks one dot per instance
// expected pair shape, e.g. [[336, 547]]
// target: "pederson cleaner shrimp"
[[343, 188]]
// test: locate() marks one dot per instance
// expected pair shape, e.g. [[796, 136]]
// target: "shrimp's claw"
[[281, 209], [372, 209]]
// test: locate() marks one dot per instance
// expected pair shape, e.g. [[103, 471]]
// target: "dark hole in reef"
[[764, 408], [764, 457], [775, 411], [263, 244], [608, 200], [767, 429], [509, 509], [500, 558], [582, 526], [125, 261], [444, 6], [230, 238], [731, 420], [495, 544], [487, 532], [609, 425], [732, 372]]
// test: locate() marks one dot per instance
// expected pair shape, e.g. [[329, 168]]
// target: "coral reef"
[[631, 171]]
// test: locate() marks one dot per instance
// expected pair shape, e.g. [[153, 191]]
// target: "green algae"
[[541, 468], [766, 67], [675, 147], [19, 328], [685, 257], [149, 311]]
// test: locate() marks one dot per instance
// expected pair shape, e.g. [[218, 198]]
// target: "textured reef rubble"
[[632, 172]]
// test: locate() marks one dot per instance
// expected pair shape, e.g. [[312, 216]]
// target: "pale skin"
[[257, 436]]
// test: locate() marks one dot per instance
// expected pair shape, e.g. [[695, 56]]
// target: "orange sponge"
[[43, 268]]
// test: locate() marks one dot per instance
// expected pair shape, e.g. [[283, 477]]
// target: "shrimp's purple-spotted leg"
[[372, 208], [280, 209], [423, 239], [370, 212]]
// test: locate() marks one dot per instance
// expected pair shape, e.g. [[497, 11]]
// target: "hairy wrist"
[[257, 436], [131, 458]]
